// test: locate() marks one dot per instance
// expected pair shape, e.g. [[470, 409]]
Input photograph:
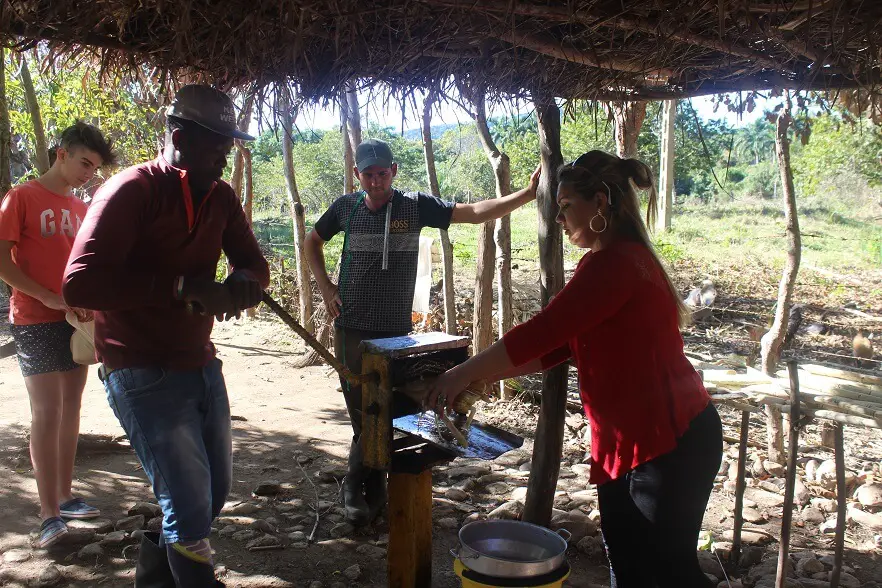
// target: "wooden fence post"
[[790, 483]]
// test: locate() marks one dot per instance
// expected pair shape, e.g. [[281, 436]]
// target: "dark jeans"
[[347, 348], [651, 516], [179, 425]]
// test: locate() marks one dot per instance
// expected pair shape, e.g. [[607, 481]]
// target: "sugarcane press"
[[406, 441]]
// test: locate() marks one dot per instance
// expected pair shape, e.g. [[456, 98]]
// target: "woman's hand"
[[445, 389], [534, 179]]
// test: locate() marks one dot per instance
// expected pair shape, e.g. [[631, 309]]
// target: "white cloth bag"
[[82, 342]]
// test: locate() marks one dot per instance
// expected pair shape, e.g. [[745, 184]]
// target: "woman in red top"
[[656, 441]]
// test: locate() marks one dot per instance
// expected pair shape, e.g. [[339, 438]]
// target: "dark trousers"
[[347, 348], [651, 516]]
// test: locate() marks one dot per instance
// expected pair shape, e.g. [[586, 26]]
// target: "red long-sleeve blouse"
[[618, 319]]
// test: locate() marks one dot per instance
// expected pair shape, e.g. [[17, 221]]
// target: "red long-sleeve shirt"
[[617, 318], [140, 232]]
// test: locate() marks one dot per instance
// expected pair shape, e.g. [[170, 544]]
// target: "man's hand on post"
[[534, 179]]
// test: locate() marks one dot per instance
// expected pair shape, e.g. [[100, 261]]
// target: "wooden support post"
[[790, 484], [739, 487], [548, 446], [410, 530], [771, 342], [501, 165], [482, 315], [376, 417], [666, 171], [298, 216], [348, 149], [446, 246], [839, 454]]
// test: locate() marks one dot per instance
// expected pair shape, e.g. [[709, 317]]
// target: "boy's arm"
[[12, 275]]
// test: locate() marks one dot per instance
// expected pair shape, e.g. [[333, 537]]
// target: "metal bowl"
[[511, 549]]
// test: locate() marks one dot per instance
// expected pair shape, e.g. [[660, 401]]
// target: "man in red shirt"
[[38, 222], [145, 261]]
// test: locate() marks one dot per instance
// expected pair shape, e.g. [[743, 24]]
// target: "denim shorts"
[[178, 423]]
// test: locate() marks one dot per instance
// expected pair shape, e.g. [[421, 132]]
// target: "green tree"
[[126, 112], [701, 147], [463, 171], [755, 142], [836, 148]]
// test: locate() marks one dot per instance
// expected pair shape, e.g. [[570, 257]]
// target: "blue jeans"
[[178, 422]]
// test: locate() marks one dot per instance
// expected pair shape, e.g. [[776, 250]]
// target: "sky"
[[326, 118]]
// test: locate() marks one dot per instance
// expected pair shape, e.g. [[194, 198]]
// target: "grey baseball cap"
[[373, 152], [208, 107]]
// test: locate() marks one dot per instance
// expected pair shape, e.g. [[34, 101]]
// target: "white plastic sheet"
[[421, 293]]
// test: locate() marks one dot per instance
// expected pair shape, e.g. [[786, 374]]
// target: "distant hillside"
[[437, 131]]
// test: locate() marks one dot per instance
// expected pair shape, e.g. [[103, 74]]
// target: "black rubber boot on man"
[[375, 492], [153, 570], [191, 564], [354, 503]]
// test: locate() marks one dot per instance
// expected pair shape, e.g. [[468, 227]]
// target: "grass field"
[[740, 245], [842, 239]]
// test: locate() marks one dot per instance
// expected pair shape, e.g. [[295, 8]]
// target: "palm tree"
[[755, 141]]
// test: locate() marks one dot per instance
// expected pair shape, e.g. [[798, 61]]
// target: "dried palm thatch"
[[600, 49]]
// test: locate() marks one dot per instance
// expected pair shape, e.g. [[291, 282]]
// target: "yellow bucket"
[[475, 580]]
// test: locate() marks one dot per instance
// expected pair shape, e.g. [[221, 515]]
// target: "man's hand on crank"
[[446, 388], [245, 291], [210, 297], [333, 302]]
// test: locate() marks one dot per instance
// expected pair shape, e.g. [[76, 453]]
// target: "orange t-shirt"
[[42, 224]]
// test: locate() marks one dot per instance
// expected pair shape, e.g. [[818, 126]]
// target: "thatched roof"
[[571, 49]]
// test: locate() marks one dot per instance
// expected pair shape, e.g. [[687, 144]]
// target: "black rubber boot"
[[153, 570], [375, 492], [357, 511]]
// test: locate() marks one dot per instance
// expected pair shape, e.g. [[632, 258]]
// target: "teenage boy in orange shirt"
[[38, 222]]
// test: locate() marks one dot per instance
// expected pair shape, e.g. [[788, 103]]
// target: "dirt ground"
[[280, 413], [288, 425]]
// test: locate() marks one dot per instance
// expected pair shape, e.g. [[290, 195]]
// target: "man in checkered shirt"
[[378, 270]]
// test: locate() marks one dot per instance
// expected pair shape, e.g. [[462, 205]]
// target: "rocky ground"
[[814, 516]]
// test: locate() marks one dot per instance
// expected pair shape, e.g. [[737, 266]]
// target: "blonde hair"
[[598, 171]]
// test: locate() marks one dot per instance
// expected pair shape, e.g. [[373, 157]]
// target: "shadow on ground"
[[109, 476]]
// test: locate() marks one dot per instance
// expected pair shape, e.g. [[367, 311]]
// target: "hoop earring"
[[591, 223]]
